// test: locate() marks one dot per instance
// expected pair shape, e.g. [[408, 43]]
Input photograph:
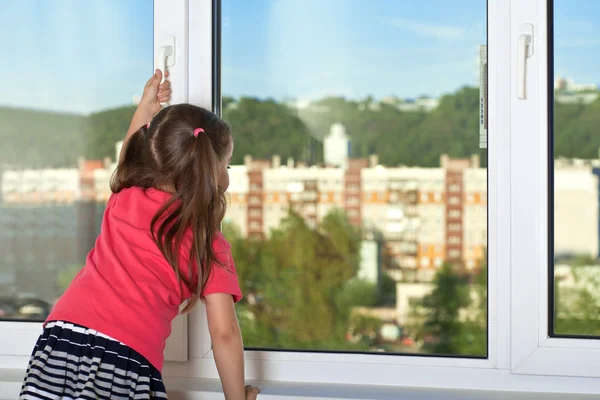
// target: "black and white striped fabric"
[[74, 362]]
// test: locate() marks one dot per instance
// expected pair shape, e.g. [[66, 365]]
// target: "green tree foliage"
[[577, 304], [475, 332], [263, 128], [452, 318], [388, 289], [300, 285], [103, 129], [66, 275], [39, 139]]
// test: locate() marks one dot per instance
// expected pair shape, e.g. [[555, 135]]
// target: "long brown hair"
[[167, 156]]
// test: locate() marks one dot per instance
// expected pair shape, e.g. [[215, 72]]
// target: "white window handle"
[[165, 57], [524, 51]]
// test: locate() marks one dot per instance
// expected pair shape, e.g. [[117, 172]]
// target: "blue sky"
[[84, 56], [75, 55]]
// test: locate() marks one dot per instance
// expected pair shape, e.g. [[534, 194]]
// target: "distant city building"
[[336, 147], [29, 186], [576, 203], [425, 215], [569, 85], [569, 92], [422, 104]]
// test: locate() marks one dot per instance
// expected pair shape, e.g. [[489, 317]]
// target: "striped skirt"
[[73, 362]]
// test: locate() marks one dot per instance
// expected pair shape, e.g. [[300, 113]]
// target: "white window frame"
[[17, 338], [521, 357], [371, 369], [512, 327], [533, 350]]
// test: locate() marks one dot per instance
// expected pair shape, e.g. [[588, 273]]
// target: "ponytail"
[[197, 204]]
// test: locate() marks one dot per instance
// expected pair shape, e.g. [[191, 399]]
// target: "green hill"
[[263, 128], [38, 139]]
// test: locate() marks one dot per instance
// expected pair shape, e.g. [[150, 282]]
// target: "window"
[[255, 212], [267, 65], [353, 200], [453, 200], [370, 72], [57, 143], [454, 214], [254, 200], [553, 332], [454, 253], [454, 227], [454, 240], [76, 81]]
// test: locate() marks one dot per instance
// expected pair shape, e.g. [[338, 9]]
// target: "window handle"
[[165, 57], [524, 51]]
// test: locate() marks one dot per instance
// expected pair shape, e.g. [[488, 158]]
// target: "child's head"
[[182, 146], [185, 150]]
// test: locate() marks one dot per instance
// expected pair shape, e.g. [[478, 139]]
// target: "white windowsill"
[[210, 389]]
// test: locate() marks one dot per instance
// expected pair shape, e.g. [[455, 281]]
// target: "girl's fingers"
[[164, 85], [164, 95]]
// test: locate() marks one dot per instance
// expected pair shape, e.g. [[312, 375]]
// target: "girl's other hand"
[[251, 392]]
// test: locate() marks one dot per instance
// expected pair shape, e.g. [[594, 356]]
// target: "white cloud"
[[427, 30]]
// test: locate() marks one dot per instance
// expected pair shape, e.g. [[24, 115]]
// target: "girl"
[[159, 247]]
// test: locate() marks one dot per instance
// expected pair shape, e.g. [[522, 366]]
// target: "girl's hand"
[[156, 93], [251, 392]]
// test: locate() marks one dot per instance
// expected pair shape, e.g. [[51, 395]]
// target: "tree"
[[440, 312], [577, 305], [474, 340], [299, 284], [66, 275]]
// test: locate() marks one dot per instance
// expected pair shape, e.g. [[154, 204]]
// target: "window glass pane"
[[358, 214], [575, 309], [73, 76]]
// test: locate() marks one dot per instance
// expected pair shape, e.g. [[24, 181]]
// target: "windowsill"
[[209, 389]]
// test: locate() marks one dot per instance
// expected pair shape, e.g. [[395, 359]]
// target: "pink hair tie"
[[197, 131]]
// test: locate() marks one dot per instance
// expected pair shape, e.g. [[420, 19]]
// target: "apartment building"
[[424, 215]]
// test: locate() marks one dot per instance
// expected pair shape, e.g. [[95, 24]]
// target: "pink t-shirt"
[[127, 290]]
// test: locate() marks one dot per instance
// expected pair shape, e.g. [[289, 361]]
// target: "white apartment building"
[[576, 217], [237, 198], [413, 209], [475, 221], [421, 215], [35, 186]]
